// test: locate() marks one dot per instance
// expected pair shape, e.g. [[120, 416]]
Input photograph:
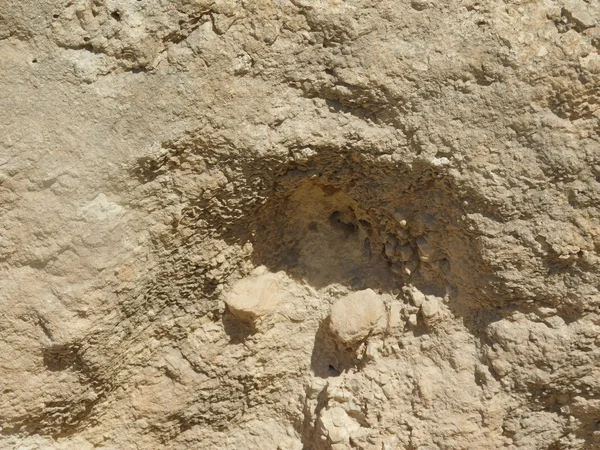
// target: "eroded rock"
[[357, 315], [254, 297], [153, 151]]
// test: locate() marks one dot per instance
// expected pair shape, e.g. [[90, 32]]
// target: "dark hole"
[[237, 329], [34, 60], [336, 220], [86, 39], [115, 15], [55, 16], [333, 370]]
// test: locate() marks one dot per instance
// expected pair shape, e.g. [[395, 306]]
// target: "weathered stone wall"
[[300, 224]]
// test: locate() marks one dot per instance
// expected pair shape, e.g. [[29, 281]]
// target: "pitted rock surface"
[[193, 191]]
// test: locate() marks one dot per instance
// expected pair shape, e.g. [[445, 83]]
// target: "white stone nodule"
[[255, 297], [357, 315]]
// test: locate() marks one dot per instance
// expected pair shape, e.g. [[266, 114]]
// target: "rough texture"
[[444, 154]]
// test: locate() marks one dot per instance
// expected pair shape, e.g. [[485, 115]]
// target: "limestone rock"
[[355, 316], [155, 152], [412, 320], [337, 426], [430, 308], [254, 297]]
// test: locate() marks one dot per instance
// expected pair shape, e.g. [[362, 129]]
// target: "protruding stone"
[[372, 351], [394, 319], [255, 297], [412, 320], [430, 308], [337, 426], [417, 296], [354, 317]]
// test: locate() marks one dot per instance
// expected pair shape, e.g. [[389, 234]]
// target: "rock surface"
[[155, 153]]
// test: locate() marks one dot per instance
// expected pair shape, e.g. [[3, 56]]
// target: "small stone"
[[354, 317], [430, 308], [400, 217], [338, 417], [555, 322], [412, 320], [419, 5], [372, 351], [417, 296], [581, 13], [254, 297], [394, 319], [337, 426]]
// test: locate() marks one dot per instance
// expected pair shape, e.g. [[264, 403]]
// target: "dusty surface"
[[160, 160]]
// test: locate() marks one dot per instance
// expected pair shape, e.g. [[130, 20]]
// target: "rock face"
[[299, 224]]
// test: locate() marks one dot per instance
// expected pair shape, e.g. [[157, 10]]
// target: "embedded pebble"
[[254, 297], [394, 319], [418, 298], [412, 320], [430, 308]]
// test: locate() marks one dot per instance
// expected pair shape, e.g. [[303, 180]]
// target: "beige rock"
[[255, 297], [357, 315], [417, 297], [394, 319], [337, 426], [153, 151], [412, 320], [430, 308]]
